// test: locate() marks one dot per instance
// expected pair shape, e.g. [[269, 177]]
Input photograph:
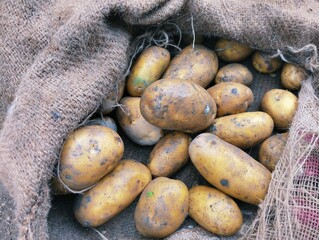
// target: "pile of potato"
[[188, 107]]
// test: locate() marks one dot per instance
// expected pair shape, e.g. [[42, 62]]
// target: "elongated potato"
[[198, 64], [292, 76], [112, 194], [148, 68], [169, 154], [88, 154], [229, 168], [178, 105], [264, 63], [231, 97], [232, 51], [214, 210], [243, 130], [234, 72], [162, 208]]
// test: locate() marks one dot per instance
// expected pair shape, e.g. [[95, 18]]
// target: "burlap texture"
[[58, 59]]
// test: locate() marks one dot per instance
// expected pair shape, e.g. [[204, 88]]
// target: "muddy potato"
[[234, 72], [231, 97], [231, 51], [198, 64], [88, 154], [104, 121], [214, 210], [133, 123], [113, 193], [281, 105], [148, 68], [229, 169], [178, 105], [243, 130], [162, 208], [264, 63], [271, 150], [169, 154], [292, 76], [112, 99], [58, 187]]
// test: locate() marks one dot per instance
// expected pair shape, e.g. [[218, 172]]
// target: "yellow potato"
[[214, 210], [88, 154], [232, 51], [162, 208], [169, 154], [229, 169], [243, 130], [234, 72], [231, 97], [292, 76], [198, 64], [57, 187], [178, 105], [133, 123], [281, 105], [112, 99], [264, 63], [112, 194], [271, 150], [148, 68]]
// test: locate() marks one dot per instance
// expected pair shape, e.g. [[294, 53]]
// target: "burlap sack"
[[58, 59]]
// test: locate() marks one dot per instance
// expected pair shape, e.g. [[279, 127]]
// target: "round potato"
[[198, 64], [148, 68], [57, 187], [88, 154], [104, 121], [214, 210], [292, 76], [271, 150], [234, 72], [232, 51], [169, 154], [244, 130], [178, 105], [231, 97], [112, 99], [229, 168], [162, 208], [281, 105], [264, 63], [133, 123], [112, 194]]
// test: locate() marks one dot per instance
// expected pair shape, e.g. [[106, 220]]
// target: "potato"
[[88, 154], [292, 76], [169, 154], [231, 51], [148, 68], [214, 210], [229, 169], [281, 105], [57, 187], [231, 97], [271, 150], [162, 208], [134, 125], [104, 121], [113, 193], [264, 63], [244, 130], [178, 105], [112, 99], [234, 72], [198, 64]]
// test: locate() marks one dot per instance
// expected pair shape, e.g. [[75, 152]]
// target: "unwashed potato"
[[231, 97], [178, 105], [229, 168], [232, 51], [281, 105], [162, 208], [214, 210], [133, 123], [88, 154], [292, 76], [271, 150], [169, 154], [104, 121], [234, 72], [264, 63], [112, 99], [58, 187], [244, 130], [148, 68], [112, 194], [198, 64]]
